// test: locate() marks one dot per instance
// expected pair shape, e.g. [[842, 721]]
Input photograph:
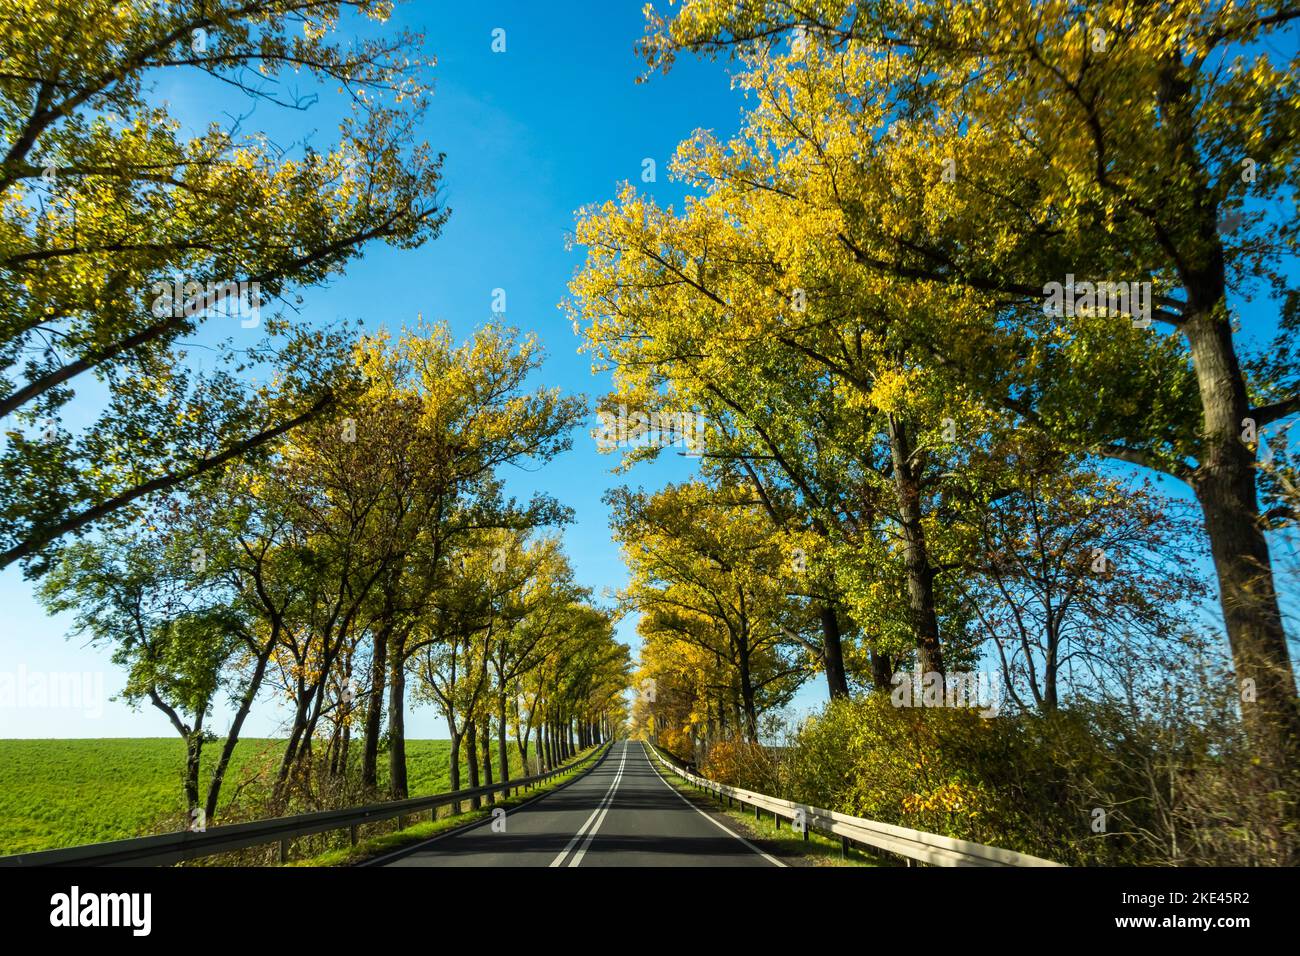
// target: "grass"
[[376, 846], [58, 793], [783, 842]]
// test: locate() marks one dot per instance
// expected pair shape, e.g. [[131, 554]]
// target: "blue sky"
[[531, 134]]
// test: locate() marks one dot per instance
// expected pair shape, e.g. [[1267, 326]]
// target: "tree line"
[[310, 513], [371, 562]]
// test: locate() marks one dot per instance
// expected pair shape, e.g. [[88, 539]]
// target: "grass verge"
[[384, 843], [60, 793]]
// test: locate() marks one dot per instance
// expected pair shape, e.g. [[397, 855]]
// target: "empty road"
[[621, 813]]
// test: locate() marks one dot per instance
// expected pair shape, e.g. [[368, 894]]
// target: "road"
[[621, 813]]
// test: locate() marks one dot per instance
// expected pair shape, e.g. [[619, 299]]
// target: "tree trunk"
[[471, 752], [747, 700], [503, 751], [397, 727], [343, 751], [453, 766], [486, 744], [295, 736], [193, 755], [882, 671], [236, 726], [374, 712], [916, 556], [523, 735], [1225, 486], [837, 682]]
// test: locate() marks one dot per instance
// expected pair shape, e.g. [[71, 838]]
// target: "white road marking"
[[598, 812], [725, 829]]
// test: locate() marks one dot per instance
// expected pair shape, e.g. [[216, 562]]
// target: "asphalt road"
[[621, 813]]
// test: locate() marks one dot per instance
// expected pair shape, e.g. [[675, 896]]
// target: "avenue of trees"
[[945, 434], [960, 305]]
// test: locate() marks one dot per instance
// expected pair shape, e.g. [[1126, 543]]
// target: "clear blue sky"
[[530, 135]]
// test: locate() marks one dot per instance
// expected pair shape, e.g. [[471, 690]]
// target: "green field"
[[56, 793]]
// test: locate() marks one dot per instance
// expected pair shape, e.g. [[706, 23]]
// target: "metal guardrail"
[[913, 844], [169, 848]]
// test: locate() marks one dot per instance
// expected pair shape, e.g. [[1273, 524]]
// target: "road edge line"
[[708, 816]]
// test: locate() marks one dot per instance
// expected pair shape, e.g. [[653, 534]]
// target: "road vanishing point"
[[620, 813]]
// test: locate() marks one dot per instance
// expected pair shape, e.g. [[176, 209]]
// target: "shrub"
[[1091, 784]]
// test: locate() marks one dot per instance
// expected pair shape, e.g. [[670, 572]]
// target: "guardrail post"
[[844, 848], [352, 834], [776, 818], [284, 851]]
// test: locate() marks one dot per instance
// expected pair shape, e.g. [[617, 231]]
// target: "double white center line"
[[594, 821]]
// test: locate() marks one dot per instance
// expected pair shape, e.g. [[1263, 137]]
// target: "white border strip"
[[725, 829]]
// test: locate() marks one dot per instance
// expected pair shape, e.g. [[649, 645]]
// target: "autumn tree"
[[120, 236], [847, 439], [537, 601], [471, 416]]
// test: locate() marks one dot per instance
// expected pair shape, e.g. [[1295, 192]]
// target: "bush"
[[739, 763], [1094, 784]]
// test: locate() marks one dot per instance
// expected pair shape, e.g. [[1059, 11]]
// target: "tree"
[[837, 425], [471, 416], [120, 236], [175, 643], [1079, 579], [537, 601]]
